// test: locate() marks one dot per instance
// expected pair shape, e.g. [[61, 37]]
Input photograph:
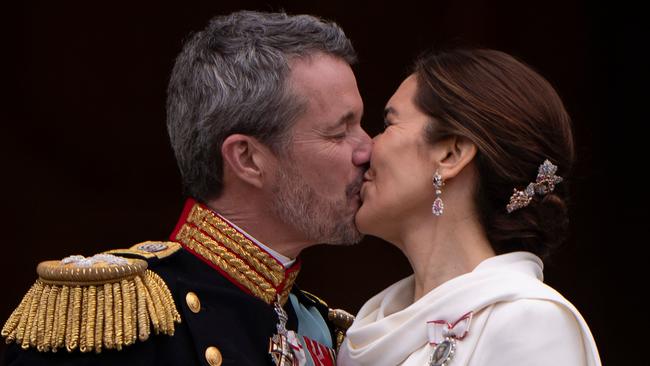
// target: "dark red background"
[[86, 164]]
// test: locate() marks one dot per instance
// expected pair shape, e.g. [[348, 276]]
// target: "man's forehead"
[[320, 72], [328, 86]]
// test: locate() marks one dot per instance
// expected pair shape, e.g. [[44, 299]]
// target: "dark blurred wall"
[[86, 164]]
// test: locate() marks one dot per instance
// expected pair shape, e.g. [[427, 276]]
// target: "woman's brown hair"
[[517, 120]]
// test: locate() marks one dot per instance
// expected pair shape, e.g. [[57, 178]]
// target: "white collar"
[[284, 260], [390, 326]]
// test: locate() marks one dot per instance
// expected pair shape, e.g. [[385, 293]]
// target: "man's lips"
[[354, 189], [366, 178]]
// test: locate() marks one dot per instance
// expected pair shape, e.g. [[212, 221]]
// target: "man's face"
[[318, 182]]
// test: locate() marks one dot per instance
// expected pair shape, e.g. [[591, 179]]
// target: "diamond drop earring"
[[438, 205]]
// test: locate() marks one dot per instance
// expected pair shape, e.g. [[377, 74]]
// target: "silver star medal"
[[443, 337], [443, 352], [279, 347]]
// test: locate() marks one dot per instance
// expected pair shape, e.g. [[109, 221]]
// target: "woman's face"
[[399, 182]]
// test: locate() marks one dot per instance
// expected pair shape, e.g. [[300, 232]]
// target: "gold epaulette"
[[342, 320], [314, 298], [104, 301]]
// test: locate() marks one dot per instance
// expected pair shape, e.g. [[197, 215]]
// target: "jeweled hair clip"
[[545, 183]]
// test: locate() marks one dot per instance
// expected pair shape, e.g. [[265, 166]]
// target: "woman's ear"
[[246, 158], [457, 152]]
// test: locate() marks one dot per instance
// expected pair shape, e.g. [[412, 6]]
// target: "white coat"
[[517, 320]]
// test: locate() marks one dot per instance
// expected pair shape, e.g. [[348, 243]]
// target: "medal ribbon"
[[438, 330]]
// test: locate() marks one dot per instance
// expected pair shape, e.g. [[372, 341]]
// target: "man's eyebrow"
[[389, 110], [345, 119]]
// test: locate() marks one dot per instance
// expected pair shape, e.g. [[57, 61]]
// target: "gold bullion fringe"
[[92, 317]]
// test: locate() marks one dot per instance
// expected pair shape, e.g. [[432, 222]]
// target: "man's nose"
[[361, 155]]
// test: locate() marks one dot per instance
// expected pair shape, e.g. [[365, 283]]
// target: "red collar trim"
[[231, 252]]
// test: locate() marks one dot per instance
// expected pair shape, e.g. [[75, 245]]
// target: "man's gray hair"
[[231, 78]]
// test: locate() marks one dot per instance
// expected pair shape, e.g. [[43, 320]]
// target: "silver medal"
[[279, 347], [443, 352]]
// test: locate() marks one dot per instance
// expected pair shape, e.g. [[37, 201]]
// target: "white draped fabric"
[[518, 320]]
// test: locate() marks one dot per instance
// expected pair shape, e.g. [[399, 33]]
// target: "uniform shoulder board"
[[341, 319], [148, 250], [92, 303], [315, 299]]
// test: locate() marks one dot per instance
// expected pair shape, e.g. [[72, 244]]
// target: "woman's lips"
[[363, 189], [367, 177]]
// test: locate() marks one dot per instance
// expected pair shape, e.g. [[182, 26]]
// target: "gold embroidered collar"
[[231, 252]]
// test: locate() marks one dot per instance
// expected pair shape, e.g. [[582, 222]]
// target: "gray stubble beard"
[[321, 220]]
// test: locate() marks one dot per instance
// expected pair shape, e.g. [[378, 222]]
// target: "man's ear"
[[454, 154], [247, 158]]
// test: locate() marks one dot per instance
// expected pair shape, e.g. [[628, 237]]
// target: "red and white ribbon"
[[438, 330]]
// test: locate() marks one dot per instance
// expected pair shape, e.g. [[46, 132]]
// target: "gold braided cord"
[[215, 227], [134, 312], [75, 302], [30, 329], [60, 317], [216, 241], [155, 306], [216, 236], [16, 315], [165, 296], [68, 318], [90, 318], [99, 320], [143, 312], [167, 318], [291, 277], [48, 318], [233, 261], [118, 314], [250, 247], [151, 310], [117, 304], [109, 340], [255, 288], [39, 335], [84, 320], [128, 318], [23, 314]]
